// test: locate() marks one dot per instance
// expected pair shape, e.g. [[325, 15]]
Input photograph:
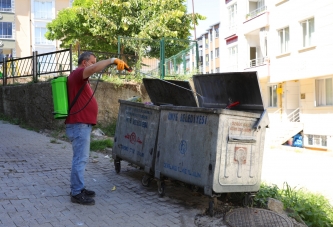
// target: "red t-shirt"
[[89, 114]]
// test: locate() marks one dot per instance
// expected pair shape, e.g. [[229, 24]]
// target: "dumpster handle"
[[242, 139], [257, 125]]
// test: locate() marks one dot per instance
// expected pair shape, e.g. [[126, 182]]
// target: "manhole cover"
[[253, 217]]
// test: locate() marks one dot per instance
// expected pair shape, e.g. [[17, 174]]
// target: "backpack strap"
[[77, 96]]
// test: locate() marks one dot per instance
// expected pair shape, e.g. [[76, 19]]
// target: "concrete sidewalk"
[[34, 189]]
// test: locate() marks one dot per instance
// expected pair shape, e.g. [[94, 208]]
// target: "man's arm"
[[99, 66]]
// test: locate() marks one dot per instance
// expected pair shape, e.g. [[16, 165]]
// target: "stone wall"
[[32, 103]]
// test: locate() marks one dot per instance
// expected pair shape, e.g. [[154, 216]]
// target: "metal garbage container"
[[137, 125], [219, 145]]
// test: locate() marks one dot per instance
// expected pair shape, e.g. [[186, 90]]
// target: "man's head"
[[86, 59]]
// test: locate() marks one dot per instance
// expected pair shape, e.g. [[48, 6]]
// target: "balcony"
[[261, 65], [256, 12], [257, 62], [256, 19]]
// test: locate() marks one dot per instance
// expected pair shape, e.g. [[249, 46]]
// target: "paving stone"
[[35, 188]]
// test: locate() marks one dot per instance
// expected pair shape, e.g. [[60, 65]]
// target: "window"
[[211, 35], [308, 32], [43, 9], [233, 55], [317, 140], [6, 5], [217, 70], [206, 44], [284, 40], [207, 60], [216, 32], [324, 92], [211, 55], [6, 31], [232, 10], [217, 52], [272, 94], [40, 36]]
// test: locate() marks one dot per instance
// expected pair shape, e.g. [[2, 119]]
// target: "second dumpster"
[[219, 145], [137, 125]]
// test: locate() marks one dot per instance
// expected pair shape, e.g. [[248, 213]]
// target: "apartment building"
[[208, 51], [289, 43], [23, 26]]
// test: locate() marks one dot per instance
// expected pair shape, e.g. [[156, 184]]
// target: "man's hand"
[[121, 65]]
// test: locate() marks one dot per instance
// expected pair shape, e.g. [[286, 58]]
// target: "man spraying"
[[82, 116]]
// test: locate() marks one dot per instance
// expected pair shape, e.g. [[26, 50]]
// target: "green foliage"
[[119, 79], [314, 209], [97, 145], [97, 24], [14, 121], [265, 192], [108, 129]]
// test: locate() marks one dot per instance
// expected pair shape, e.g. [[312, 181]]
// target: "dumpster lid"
[[220, 90], [170, 92]]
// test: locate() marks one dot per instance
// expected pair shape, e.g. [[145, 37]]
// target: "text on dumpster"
[[188, 118]]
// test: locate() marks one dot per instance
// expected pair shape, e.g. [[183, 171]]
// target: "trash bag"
[[298, 140]]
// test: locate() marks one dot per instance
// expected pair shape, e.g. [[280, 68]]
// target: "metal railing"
[[6, 36], [257, 62], [256, 12], [6, 9], [50, 63], [294, 116]]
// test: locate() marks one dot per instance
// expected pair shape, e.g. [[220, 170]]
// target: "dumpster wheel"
[[161, 188], [145, 181], [117, 165], [248, 200]]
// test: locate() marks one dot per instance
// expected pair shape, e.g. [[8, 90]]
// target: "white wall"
[[302, 63]]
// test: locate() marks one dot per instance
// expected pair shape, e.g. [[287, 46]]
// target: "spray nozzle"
[[128, 69]]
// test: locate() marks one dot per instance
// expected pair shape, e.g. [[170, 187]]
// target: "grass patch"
[[14, 121], [97, 145], [55, 141], [108, 129], [314, 209]]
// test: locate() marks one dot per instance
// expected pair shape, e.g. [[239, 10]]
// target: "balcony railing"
[[6, 36], [6, 9], [258, 61], [255, 12]]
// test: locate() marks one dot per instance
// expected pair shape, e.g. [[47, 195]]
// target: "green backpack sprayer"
[[60, 96]]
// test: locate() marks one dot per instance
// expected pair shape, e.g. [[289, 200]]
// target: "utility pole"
[[195, 36]]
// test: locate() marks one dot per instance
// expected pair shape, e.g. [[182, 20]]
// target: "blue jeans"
[[79, 134]]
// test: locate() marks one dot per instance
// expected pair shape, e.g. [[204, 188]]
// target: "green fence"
[[162, 58]]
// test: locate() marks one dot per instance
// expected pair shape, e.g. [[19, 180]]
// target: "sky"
[[208, 8]]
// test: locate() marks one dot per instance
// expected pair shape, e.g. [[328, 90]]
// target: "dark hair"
[[85, 56]]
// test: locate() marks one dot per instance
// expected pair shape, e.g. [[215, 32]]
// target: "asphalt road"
[[301, 168]]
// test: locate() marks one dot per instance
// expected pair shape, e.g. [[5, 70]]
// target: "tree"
[[96, 24]]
